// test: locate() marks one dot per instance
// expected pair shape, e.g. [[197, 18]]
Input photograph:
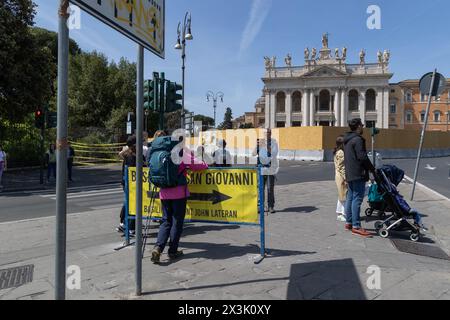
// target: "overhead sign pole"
[[432, 84], [139, 166], [61, 154]]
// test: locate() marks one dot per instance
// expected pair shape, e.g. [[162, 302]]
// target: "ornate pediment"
[[324, 72]]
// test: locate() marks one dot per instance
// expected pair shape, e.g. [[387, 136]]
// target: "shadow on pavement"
[[325, 280], [299, 210], [219, 251]]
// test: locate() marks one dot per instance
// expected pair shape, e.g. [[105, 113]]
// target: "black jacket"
[[357, 163]]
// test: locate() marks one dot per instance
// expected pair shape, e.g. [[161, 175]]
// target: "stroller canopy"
[[394, 174]]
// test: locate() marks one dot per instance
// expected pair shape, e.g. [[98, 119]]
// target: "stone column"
[[344, 108], [288, 109], [267, 109], [312, 109], [362, 106], [305, 108], [379, 107], [273, 102], [386, 108], [337, 108]]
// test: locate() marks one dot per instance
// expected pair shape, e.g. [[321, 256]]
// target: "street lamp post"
[[214, 97], [181, 45]]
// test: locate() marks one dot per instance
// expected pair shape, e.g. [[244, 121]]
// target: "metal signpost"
[[433, 84], [143, 22], [61, 153]]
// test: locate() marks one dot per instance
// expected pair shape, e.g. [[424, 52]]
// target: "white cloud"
[[258, 14]]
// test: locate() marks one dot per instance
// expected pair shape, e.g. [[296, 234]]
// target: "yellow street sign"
[[216, 195]]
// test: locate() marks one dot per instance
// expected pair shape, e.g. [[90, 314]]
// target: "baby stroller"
[[377, 203], [387, 179]]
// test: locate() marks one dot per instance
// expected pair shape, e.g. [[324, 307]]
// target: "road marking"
[[429, 167], [428, 189], [87, 195], [83, 192], [44, 192]]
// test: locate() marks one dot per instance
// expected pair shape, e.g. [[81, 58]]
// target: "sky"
[[232, 37]]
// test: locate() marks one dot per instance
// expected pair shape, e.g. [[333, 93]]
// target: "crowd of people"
[[174, 195]]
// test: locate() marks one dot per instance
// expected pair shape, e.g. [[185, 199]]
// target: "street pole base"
[[261, 258], [124, 245]]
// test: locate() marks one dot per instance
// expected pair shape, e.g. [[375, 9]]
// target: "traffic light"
[[39, 118], [173, 97], [151, 95], [51, 119]]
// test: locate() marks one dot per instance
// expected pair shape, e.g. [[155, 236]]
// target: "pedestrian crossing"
[[86, 194]]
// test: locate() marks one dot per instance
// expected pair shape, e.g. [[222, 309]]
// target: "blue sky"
[[232, 37]]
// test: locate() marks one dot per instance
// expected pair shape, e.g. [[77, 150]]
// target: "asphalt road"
[[34, 204]]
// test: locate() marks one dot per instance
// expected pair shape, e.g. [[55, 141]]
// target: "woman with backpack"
[[171, 179]]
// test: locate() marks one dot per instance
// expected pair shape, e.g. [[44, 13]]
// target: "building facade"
[[326, 91], [412, 105]]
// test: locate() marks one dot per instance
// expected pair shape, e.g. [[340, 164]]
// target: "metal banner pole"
[[422, 137], [61, 153], [261, 217], [127, 208]]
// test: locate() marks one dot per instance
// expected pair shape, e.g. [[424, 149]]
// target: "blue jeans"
[[174, 212], [355, 197], [51, 170]]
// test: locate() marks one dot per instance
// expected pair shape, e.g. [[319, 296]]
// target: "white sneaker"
[[341, 218]]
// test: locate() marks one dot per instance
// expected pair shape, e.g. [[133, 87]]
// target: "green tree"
[[91, 92], [227, 124], [26, 68]]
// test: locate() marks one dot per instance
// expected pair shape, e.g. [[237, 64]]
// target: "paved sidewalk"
[[312, 257], [28, 179]]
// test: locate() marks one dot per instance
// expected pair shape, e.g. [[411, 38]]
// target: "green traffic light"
[[173, 97]]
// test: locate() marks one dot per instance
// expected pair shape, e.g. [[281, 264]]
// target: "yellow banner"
[[217, 195]]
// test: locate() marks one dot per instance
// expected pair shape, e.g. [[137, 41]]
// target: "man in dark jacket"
[[357, 168]]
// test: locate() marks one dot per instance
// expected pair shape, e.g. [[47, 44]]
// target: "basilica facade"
[[326, 90]]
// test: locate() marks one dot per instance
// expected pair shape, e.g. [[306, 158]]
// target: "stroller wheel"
[[383, 232], [379, 225], [414, 237], [369, 212]]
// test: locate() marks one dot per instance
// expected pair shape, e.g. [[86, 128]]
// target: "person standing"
[[70, 157], [267, 152], [50, 159], [3, 165], [222, 157], [357, 168], [340, 179], [129, 160], [173, 199]]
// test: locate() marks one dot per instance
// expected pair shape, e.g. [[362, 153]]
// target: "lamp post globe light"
[[214, 97], [184, 33]]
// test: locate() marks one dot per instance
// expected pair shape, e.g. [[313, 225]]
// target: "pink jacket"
[[188, 163]]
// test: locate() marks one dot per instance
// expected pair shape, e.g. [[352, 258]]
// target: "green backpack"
[[163, 171]]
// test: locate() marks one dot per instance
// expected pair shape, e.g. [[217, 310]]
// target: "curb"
[[429, 190]]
